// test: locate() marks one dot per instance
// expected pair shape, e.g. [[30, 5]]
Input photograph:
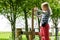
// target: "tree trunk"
[[55, 20], [56, 33], [39, 26], [26, 23], [13, 21], [13, 32]]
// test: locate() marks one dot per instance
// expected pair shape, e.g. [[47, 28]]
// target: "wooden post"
[[32, 19], [31, 33], [32, 23]]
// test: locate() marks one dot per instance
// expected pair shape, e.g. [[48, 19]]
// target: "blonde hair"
[[48, 6]]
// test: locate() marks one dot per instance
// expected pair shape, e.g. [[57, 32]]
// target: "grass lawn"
[[7, 35]]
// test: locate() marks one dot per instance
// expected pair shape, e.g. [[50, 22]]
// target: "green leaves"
[[28, 5]]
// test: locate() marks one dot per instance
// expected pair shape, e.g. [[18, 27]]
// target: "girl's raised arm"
[[37, 12]]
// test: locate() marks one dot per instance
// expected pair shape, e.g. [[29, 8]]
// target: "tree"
[[56, 14], [10, 10]]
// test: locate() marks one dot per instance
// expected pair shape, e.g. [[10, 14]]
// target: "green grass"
[[5, 35], [4, 39], [24, 37]]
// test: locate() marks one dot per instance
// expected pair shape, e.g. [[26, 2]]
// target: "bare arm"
[[38, 13]]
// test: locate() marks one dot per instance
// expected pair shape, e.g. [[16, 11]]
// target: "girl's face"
[[45, 7]]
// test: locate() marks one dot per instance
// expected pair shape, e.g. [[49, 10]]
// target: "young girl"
[[44, 15]]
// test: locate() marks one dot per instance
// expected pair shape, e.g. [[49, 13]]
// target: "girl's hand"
[[35, 9]]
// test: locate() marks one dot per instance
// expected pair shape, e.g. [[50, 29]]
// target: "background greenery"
[[12, 9]]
